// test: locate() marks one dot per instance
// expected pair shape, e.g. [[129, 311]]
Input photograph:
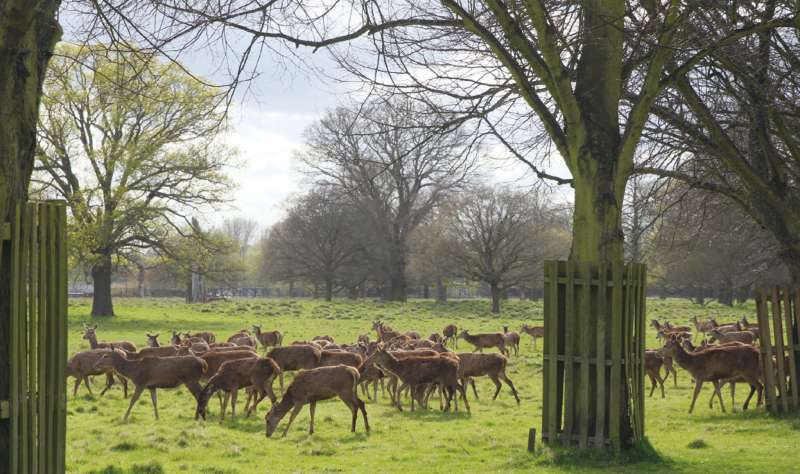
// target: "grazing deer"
[[90, 334], [235, 374], [87, 363], [534, 332], [483, 341], [157, 372], [311, 386]]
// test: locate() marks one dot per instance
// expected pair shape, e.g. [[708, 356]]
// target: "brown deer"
[[449, 332], [722, 363], [484, 341], [535, 332], [473, 365], [90, 334], [745, 337], [152, 340], [420, 370], [512, 340], [268, 339], [297, 357], [311, 386], [232, 375], [242, 338], [209, 337], [157, 372], [84, 364], [652, 367], [702, 327], [214, 360], [330, 358], [384, 332]]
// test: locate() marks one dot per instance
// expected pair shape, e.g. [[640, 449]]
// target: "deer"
[[161, 351], [745, 324], [483, 341], [268, 339], [512, 340], [232, 375], [214, 360], [323, 338], [329, 358], [157, 372], [745, 337], [87, 363], [311, 386], [702, 327], [672, 328], [719, 364], [652, 367], [727, 327], [297, 357], [152, 340], [534, 332], [209, 337], [473, 365], [385, 333], [449, 332], [420, 370], [90, 334], [242, 338], [689, 347]]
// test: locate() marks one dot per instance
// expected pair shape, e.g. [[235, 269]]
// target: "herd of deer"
[[401, 363], [733, 359]]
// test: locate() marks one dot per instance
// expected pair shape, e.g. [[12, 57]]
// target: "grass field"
[[492, 438]]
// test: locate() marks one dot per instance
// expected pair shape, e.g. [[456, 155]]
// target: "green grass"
[[493, 438]]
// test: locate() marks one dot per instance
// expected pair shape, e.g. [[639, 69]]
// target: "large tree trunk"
[[497, 295], [140, 280], [27, 36], [101, 277], [441, 291], [397, 270], [328, 289], [597, 220]]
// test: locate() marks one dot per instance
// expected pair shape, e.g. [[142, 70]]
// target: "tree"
[[431, 261], [319, 242], [495, 238], [395, 163], [129, 144], [730, 127], [242, 231]]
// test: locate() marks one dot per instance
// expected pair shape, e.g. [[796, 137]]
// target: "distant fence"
[[38, 342], [778, 311], [593, 354]]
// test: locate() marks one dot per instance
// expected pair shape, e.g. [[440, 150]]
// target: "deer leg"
[[508, 381], [697, 386], [497, 386], [154, 399], [363, 407], [109, 383], [124, 383], [281, 383], [224, 407], [234, 394], [463, 391], [733, 396], [88, 386], [397, 401], [77, 384], [652, 385], [719, 395], [471, 381], [137, 392], [295, 411], [661, 382], [312, 408]]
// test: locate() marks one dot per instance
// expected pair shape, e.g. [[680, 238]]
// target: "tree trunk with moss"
[[102, 273], [28, 33]]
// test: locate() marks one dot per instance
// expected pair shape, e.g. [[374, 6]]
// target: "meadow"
[[493, 438]]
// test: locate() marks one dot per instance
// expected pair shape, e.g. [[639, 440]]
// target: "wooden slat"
[[569, 345], [792, 369], [779, 352], [796, 335], [22, 314], [14, 396], [615, 388], [41, 342], [640, 323], [33, 286], [602, 314], [766, 347], [62, 276], [52, 355], [550, 403], [585, 339]]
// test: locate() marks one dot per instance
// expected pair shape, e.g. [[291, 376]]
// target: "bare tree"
[[131, 162], [395, 163], [319, 242], [431, 261], [242, 231], [495, 235]]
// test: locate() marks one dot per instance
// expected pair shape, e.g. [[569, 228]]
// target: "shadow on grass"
[[428, 415], [634, 457]]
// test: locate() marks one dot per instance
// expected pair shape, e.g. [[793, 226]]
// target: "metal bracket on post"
[[5, 231], [5, 410]]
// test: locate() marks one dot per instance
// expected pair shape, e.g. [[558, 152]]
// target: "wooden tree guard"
[[593, 353], [37, 405], [779, 339]]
